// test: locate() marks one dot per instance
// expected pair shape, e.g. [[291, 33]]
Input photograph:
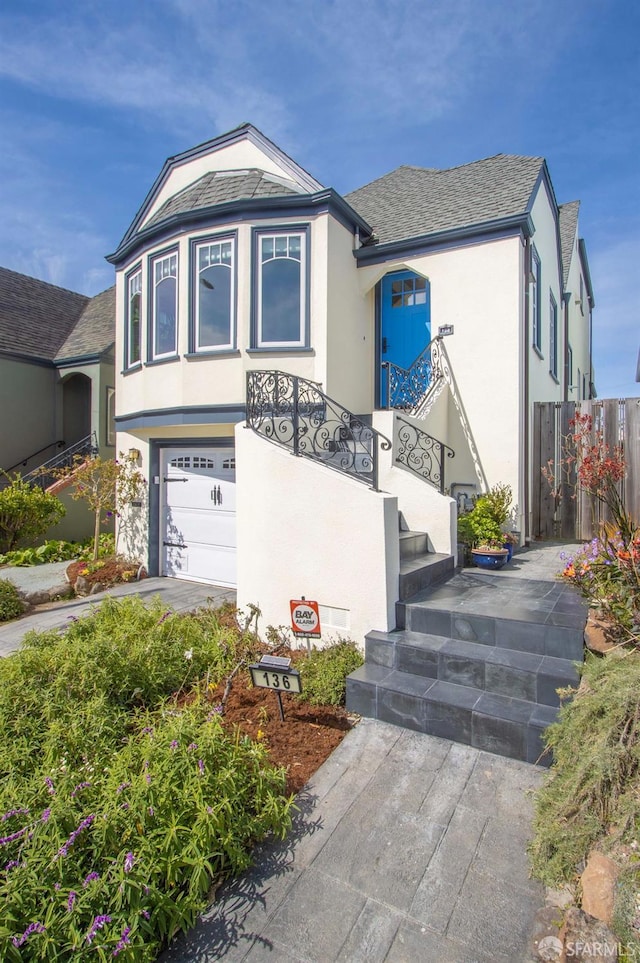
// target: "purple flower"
[[192, 745], [152, 811], [81, 785], [173, 744], [89, 878], [124, 939], [50, 787], [122, 787], [56, 886], [13, 812], [98, 923], [129, 860], [12, 838], [147, 731], [146, 914], [64, 849], [163, 617], [124, 806], [71, 900], [201, 767], [11, 865], [31, 928], [147, 778], [45, 815]]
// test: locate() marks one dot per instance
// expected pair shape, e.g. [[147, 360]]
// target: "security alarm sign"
[[305, 618]]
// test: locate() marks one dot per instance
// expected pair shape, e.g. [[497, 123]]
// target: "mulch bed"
[[110, 571]]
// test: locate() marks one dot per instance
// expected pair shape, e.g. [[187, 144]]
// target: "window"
[[553, 337], [213, 295], [536, 336], [281, 306], [132, 334], [408, 292], [164, 315]]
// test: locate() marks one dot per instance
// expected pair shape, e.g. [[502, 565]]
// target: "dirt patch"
[[301, 743], [105, 572]]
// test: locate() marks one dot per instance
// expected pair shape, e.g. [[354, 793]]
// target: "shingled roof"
[[220, 187], [36, 317], [414, 202], [95, 330], [568, 218]]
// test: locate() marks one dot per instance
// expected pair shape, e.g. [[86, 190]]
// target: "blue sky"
[[94, 97]]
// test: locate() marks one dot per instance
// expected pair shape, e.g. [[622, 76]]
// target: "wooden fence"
[[570, 513]]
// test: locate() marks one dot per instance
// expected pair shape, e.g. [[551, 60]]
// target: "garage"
[[198, 514]]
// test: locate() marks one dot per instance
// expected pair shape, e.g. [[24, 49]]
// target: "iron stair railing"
[[406, 387], [24, 461], [48, 472], [422, 454], [296, 414]]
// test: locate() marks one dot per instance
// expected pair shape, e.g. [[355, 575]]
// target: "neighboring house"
[[250, 296], [57, 380]]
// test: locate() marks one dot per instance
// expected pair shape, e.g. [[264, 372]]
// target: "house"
[[305, 376], [57, 382]]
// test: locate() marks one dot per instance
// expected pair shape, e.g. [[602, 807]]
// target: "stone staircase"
[[476, 658], [420, 568]]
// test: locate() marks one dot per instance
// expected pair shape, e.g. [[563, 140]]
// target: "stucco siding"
[[542, 386], [27, 403]]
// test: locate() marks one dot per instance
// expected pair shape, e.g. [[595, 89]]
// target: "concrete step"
[[412, 544], [507, 672], [467, 714], [419, 572]]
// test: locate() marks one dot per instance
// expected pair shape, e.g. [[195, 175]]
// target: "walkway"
[[179, 595]]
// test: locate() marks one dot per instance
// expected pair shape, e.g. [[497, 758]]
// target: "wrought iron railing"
[[296, 414], [421, 453], [48, 472], [406, 387]]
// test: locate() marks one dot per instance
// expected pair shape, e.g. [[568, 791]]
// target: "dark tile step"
[[421, 571], [507, 672], [412, 544], [496, 723], [539, 633]]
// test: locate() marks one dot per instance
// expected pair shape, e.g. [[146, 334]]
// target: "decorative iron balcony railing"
[[406, 387], [421, 453], [47, 473], [296, 414]]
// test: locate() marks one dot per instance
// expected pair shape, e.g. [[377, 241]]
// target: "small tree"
[[26, 512], [106, 485]]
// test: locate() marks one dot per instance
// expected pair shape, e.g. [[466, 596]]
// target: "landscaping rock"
[[82, 586], [594, 634], [586, 938], [598, 886], [96, 587]]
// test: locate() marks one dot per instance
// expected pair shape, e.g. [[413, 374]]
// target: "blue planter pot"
[[509, 548], [489, 559]]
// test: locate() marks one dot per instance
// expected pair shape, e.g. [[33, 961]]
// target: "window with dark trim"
[[553, 336], [536, 334], [281, 295], [213, 300], [164, 306], [132, 353]]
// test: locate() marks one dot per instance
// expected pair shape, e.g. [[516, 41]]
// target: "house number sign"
[[275, 672]]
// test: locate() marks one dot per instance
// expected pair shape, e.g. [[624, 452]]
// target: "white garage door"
[[198, 514]]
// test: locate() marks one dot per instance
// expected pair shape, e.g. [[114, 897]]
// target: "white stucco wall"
[[423, 507], [579, 326], [542, 386], [313, 532]]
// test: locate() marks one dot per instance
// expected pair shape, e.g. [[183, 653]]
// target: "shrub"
[[11, 605], [26, 512], [591, 795], [483, 524], [119, 806], [324, 671]]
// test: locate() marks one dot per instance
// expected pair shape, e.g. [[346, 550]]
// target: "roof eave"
[[515, 222], [248, 205], [582, 250]]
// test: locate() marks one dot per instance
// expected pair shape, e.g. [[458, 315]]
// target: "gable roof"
[[568, 220], [219, 187], [36, 317], [412, 202], [95, 330]]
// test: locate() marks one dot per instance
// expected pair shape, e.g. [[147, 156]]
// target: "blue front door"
[[405, 322]]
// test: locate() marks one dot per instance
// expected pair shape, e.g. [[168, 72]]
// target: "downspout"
[[527, 480], [566, 297]]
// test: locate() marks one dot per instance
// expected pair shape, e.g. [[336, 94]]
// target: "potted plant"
[[490, 554], [480, 530]]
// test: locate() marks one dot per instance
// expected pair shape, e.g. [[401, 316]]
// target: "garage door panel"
[[198, 520]]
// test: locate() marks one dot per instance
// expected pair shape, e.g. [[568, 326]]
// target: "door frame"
[[156, 447], [378, 309]]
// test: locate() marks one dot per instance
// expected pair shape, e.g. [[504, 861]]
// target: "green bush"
[[591, 794], [57, 550], [119, 806], [26, 512], [324, 671], [11, 605]]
